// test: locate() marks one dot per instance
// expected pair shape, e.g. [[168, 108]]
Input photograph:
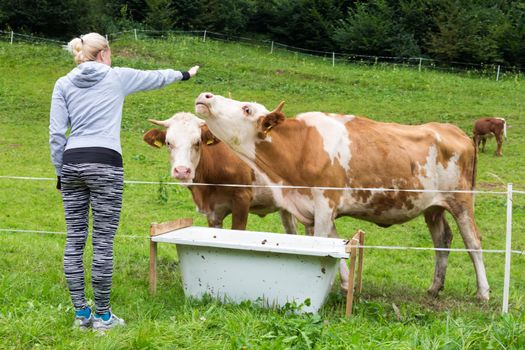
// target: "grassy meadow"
[[393, 311]]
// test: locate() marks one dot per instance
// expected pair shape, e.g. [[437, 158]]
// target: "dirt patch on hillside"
[[490, 186], [127, 53]]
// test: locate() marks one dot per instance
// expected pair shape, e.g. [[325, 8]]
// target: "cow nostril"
[[181, 171], [208, 95]]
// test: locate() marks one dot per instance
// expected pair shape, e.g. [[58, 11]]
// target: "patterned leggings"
[[101, 186]]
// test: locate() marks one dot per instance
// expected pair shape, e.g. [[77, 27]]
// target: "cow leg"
[[215, 220], [467, 227], [309, 230], [483, 143], [499, 141], [477, 141], [442, 237], [343, 267], [288, 221], [323, 216], [324, 227], [240, 210]]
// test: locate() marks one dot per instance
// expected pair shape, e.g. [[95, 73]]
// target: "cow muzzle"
[[202, 104], [182, 173]]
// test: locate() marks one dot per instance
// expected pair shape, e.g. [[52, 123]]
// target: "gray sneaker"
[[100, 325], [82, 322]]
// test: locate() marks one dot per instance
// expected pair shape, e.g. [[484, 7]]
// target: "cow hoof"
[[483, 297], [434, 292]]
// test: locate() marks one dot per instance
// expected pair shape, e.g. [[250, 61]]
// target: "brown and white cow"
[[329, 150], [197, 156], [487, 127]]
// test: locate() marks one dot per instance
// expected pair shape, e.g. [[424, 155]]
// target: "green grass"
[[35, 309]]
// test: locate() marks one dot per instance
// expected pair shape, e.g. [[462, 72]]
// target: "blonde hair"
[[87, 47]]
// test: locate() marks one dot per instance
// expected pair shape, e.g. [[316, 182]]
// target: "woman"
[[88, 163]]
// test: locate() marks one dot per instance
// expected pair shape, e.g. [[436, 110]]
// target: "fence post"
[[333, 59], [271, 50], [107, 38], [135, 31], [12, 36], [204, 36], [506, 281], [420, 59], [497, 73]]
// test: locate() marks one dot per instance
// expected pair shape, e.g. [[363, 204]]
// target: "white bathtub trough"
[[272, 268]]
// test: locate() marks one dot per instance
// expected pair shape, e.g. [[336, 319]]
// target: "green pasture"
[[393, 311]]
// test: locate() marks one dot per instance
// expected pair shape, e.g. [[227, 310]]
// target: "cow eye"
[[246, 110]]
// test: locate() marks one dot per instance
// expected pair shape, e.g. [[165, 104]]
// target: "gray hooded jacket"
[[89, 101]]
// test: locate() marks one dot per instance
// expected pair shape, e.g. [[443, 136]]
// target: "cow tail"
[[504, 128], [475, 167]]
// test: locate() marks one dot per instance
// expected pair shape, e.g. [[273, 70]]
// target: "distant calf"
[[198, 157], [487, 127]]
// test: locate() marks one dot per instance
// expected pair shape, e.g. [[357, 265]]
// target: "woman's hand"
[[193, 70]]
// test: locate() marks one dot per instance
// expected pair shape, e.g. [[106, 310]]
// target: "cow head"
[[183, 137], [239, 124]]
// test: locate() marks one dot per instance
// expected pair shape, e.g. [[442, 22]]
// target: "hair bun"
[[75, 46], [86, 47]]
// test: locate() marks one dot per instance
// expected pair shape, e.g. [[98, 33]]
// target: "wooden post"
[[156, 230], [204, 37], [271, 49], [152, 265], [420, 60], [333, 59], [360, 263], [135, 31], [12, 37], [352, 249]]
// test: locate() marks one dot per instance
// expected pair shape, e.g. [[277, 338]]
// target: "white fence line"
[[494, 68], [508, 242], [58, 233], [379, 247], [323, 188]]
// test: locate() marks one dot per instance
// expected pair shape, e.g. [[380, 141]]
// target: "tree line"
[[473, 31]]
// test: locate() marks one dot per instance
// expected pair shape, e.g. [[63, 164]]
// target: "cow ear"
[[155, 138], [268, 122], [207, 136]]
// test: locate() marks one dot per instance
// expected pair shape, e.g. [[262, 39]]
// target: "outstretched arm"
[[134, 80]]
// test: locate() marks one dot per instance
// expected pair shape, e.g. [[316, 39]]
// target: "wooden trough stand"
[[240, 265]]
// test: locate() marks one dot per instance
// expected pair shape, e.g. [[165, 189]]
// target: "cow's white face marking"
[[336, 141], [232, 121], [183, 139]]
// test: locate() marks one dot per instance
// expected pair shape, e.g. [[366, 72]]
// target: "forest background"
[[453, 31]]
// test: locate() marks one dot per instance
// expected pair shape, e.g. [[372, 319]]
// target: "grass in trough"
[[392, 313]]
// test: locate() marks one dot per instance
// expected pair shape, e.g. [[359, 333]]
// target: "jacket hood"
[[88, 74]]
